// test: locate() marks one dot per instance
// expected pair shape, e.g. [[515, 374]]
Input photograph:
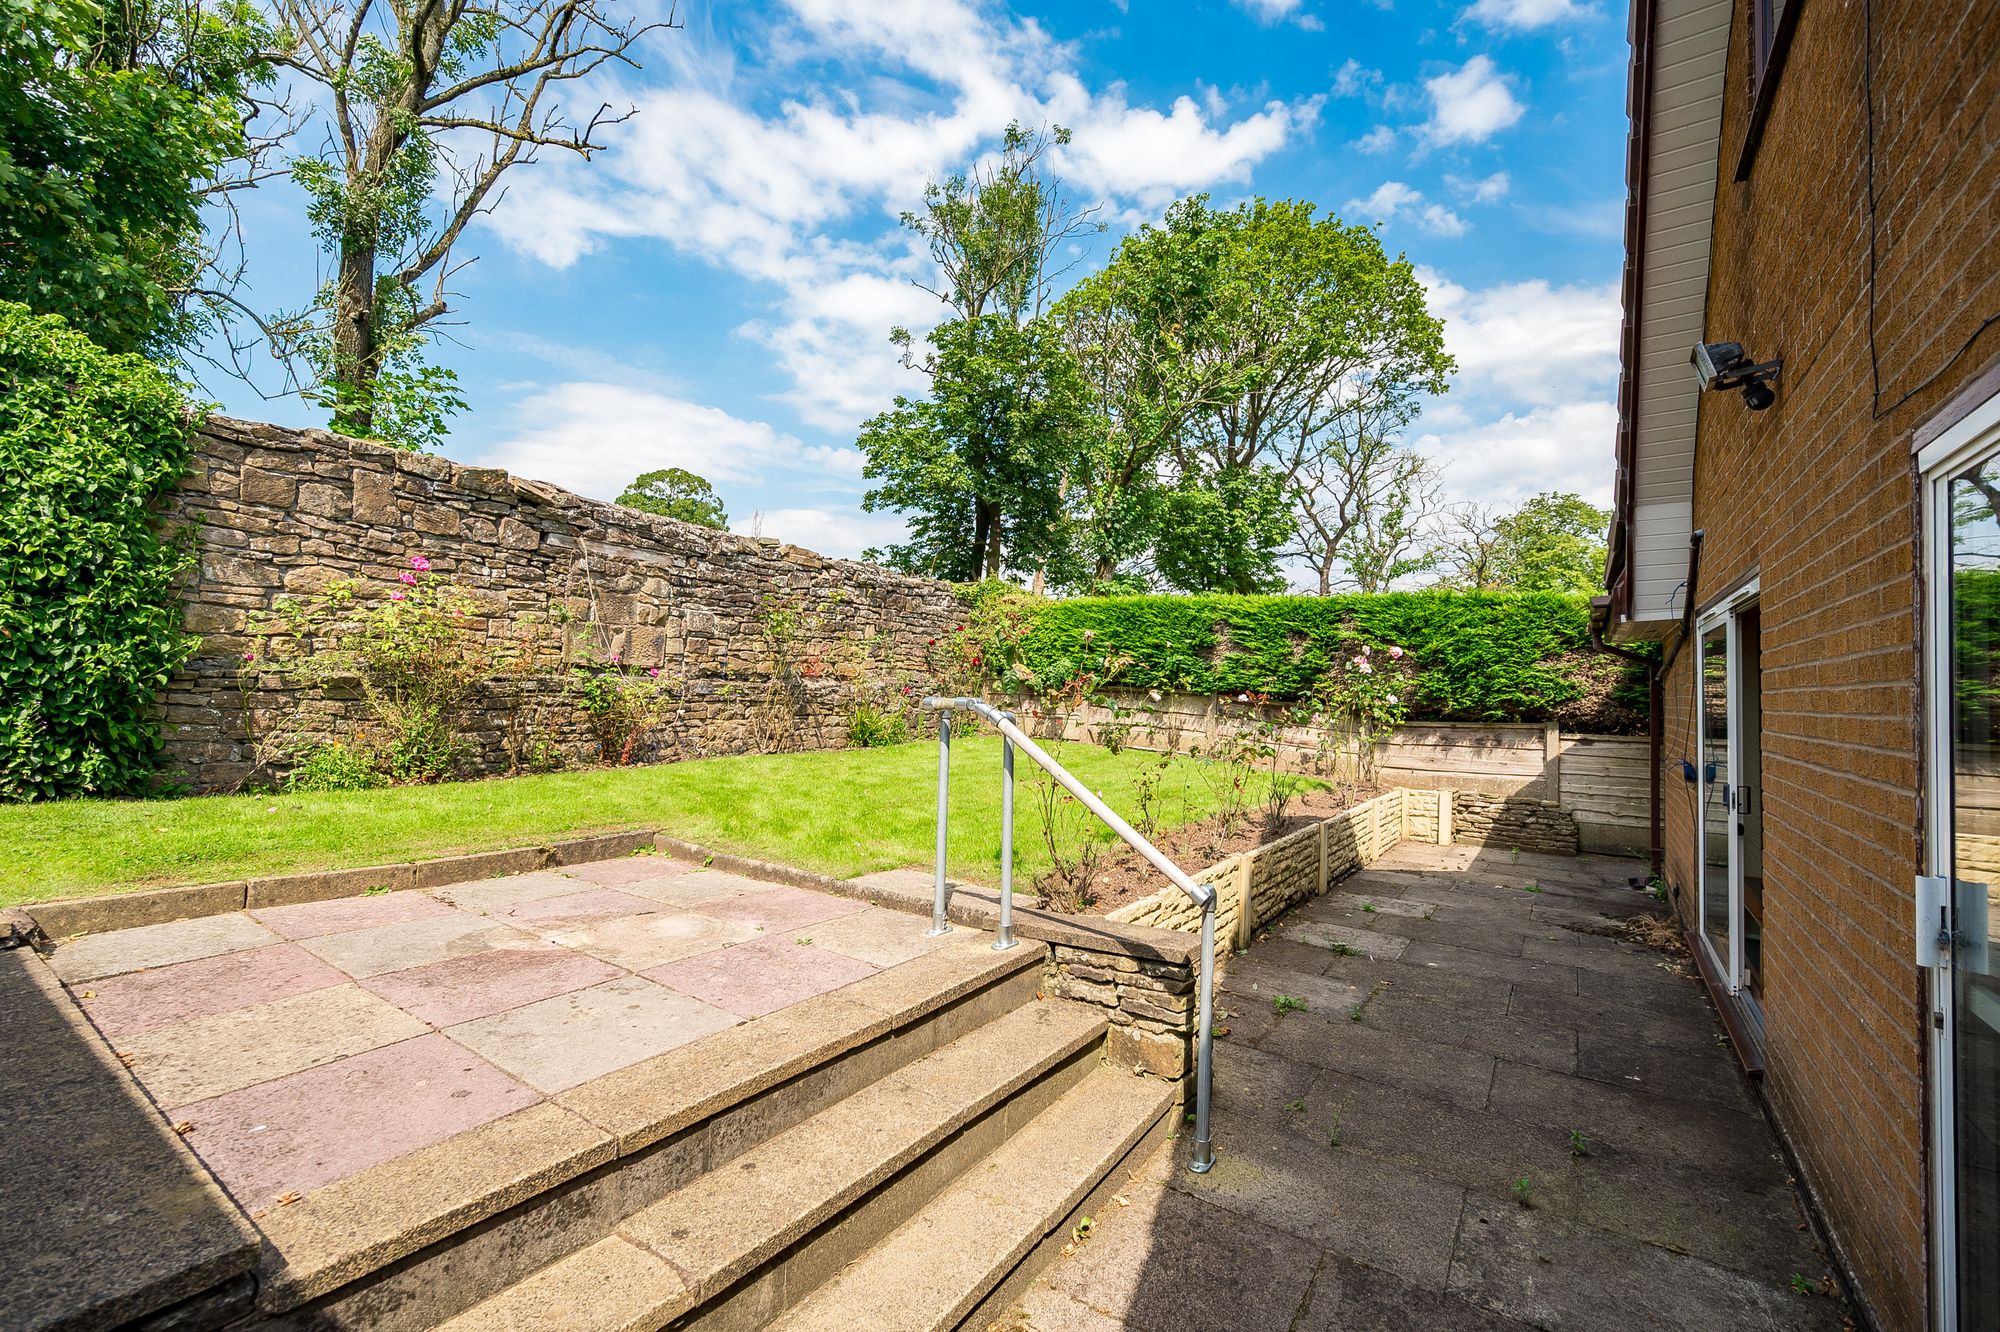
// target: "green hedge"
[[90, 628], [1477, 656]]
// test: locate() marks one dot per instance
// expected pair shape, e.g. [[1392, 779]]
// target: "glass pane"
[[1975, 616], [1715, 782]]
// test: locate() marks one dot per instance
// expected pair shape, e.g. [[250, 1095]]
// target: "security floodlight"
[[1724, 365]]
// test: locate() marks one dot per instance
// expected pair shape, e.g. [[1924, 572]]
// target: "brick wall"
[[282, 512], [1818, 497]]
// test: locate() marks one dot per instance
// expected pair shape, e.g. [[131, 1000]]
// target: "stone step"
[[737, 1244], [410, 1244], [973, 1250]]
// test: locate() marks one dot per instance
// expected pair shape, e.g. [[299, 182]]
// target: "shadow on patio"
[[1455, 1093]]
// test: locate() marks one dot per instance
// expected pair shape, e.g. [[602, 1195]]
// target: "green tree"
[[1554, 542], [676, 493], [1233, 347], [117, 123], [428, 104], [975, 466]]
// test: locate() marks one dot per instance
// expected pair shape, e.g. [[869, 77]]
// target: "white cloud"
[[1522, 15], [1564, 446], [1490, 189], [1378, 140], [1393, 199], [1532, 342], [593, 438], [801, 193], [1353, 79], [1270, 12], [1470, 104], [843, 533]]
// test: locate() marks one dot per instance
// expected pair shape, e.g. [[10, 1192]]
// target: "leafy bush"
[[621, 709], [90, 628], [1474, 656], [870, 727], [337, 767]]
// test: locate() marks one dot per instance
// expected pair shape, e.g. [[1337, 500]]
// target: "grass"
[[843, 812]]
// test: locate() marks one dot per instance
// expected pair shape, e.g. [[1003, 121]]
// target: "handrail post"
[[938, 925], [1203, 1155], [1006, 937]]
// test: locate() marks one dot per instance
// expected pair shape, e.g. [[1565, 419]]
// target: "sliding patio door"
[[1963, 849]]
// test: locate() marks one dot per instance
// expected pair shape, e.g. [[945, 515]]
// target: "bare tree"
[[1359, 495], [1469, 541], [427, 104], [1392, 539]]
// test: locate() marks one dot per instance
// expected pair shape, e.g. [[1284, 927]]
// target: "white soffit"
[[1690, 49]]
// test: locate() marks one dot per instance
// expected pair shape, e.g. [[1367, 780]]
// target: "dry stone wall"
[[1511, 823], [283, 512]]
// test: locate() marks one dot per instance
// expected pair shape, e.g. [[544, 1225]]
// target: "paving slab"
[[782, 908], [695, 888], [881, 937], [207, 1056], [105, 1215], [649, 939], [294, 1134], [488, 895], [1536, 1047], [1544, 1271], [753, 979], [310, 920], [561, 1042], [412, 943], [573, 908], [460, 989], [1336, 938], [97, 955], [627, 870], [140, 1001]]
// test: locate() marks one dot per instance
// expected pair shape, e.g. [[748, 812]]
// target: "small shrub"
[[620, 707], [336, 767], [871, 727]]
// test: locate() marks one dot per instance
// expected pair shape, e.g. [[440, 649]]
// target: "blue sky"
[[715, 290]]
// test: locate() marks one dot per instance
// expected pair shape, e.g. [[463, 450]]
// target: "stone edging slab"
[[122, 911]]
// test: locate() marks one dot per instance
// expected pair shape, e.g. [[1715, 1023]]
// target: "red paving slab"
[[753, 979], [311, 920], [462, 988], [782, 908], [591, 904], [297, 1133], [140, 1001], [628, 870], [572, 1038]]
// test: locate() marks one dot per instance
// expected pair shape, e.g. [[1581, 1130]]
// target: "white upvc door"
[[1725, 796], [1961, 519]]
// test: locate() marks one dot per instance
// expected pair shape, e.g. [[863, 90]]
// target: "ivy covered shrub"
[[90, 627], [1475, 656]]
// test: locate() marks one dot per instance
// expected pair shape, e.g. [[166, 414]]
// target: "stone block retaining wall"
[[283, 512], [1254, 886]]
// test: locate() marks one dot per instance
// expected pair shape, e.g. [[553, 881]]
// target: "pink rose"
[[1243, 698], [1395, 652], [249, 656], [1366, 669], [654, 673], [1393, 698], [420, 564], [1364, 649], [407, 578], [397, 594]]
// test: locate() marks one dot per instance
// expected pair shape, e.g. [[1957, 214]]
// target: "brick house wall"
[[1818, 497]]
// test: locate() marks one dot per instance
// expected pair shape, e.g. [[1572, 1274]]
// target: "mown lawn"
[[846, 812]]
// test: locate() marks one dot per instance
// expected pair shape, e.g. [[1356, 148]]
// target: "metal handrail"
[[1013, 737]]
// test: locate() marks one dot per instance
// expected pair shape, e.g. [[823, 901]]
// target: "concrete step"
[[972, 1251], [412, 1244], [736, 1245]]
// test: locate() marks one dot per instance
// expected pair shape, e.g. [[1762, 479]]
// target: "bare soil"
[[1122, 876]]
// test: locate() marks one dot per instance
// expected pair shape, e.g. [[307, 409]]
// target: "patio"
[[1481, 1108]]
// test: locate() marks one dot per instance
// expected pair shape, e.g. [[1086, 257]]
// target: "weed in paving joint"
[[375, 890], [1286, 1003], [1524, 1192], [1295, 1107], [1801, 1286], [1368, 907], [1343, 950], [1532, 888], [1578, 1144]]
